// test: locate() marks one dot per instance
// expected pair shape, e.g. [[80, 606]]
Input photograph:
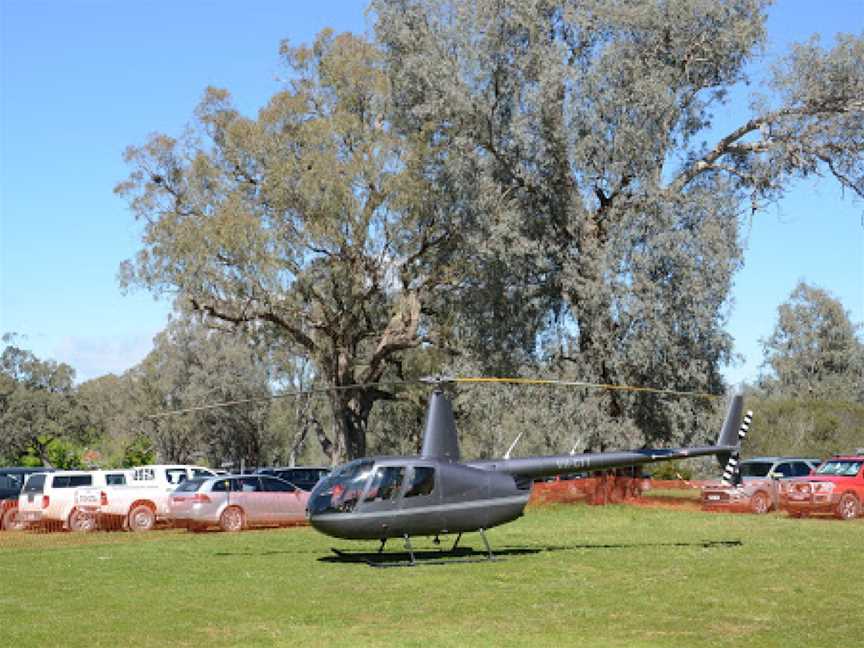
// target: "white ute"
[[146, 498]]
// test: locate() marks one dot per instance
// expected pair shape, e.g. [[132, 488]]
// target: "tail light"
[[103, 498], [45, 501], [200, 498]]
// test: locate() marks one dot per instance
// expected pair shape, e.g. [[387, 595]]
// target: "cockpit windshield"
[[340, 491]]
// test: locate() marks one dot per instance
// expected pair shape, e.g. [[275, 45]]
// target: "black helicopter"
[[433, 494]]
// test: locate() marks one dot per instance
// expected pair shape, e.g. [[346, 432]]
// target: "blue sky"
[[81, 80]]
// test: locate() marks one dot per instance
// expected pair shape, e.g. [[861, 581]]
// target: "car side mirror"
[[775, 475]]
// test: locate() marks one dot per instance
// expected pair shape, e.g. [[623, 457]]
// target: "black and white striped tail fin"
[[732, 463]]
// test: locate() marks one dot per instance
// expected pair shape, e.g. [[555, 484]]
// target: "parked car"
[[758, 489], [835, 488], [236, 502], [50, 499], [143, 500], [11, 482], [303, 476]]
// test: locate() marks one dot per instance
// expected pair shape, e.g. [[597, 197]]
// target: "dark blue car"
[[11, 481]]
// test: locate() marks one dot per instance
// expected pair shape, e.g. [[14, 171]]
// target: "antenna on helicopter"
[[513, 445]]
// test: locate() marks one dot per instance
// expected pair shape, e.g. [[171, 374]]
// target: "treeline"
[[507, 187], [805, 428], [211, 396]]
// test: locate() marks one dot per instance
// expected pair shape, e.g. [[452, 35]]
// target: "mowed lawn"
[[574, 575]]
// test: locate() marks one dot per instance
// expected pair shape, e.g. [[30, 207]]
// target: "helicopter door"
[[419, 509], [382, 495]]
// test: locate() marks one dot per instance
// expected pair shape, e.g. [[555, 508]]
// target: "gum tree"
[[39, 407], [312, 224], [586, 125], [814, 349]]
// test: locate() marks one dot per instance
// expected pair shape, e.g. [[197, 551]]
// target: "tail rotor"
[[734, 458]]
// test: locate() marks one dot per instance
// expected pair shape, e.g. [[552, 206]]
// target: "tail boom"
[[728, 444]]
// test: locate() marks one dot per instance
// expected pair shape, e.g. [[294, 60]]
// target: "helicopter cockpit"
[[361, 482]]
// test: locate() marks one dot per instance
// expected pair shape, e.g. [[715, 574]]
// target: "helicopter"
[[436, 493]]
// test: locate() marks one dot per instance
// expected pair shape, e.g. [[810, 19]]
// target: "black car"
[[304, 477], [11, 482]]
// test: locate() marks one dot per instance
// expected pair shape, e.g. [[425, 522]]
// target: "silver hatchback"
[[236, 502]]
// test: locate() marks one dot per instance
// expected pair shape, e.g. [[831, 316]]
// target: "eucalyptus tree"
[[192, 366], [312, 223], [39, 407], [584, 126], [114, 418], [814, 350]]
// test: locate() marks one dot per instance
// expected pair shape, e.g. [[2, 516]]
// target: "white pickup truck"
[[143, 500]]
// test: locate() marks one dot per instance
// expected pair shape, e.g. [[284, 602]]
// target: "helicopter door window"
[[385, 484], [422, 481]]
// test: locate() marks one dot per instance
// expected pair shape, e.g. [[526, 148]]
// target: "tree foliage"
[[193, 366], [313, 223], [814, 351], [39, 411], [583, 124], [804, 427], [522, 184]]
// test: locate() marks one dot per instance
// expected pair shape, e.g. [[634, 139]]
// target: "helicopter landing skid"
[[455, 555], [384, 560]]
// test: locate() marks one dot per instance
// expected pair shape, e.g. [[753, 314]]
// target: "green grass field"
[[594, 576]]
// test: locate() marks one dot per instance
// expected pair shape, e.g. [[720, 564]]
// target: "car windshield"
[[755, 468], [190, 485], [339, 492], [839, 468]]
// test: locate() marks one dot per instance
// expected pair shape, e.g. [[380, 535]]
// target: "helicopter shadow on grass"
[[466, 554]]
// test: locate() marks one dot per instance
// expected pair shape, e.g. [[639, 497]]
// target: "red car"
[[835, 488]]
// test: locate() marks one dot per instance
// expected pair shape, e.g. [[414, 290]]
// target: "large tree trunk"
[[351, 422]]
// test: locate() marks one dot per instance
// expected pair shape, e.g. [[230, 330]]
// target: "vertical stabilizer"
[[729, 434], [439, 436]]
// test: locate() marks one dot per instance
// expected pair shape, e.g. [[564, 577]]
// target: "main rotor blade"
[[577, 383], [290, 394], [435, 380]]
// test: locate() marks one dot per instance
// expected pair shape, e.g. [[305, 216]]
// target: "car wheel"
[[232, 519], [760, 503], [12, 521], [141, 518], [848, 508], [82, 522]]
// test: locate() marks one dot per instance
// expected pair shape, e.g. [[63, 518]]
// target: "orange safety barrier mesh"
[[606, 489], [609, 489]]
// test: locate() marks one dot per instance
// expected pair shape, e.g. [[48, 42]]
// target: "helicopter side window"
[[385, 484], [422, 481]]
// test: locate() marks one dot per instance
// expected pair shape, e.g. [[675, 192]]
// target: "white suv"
[[49, 499]]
